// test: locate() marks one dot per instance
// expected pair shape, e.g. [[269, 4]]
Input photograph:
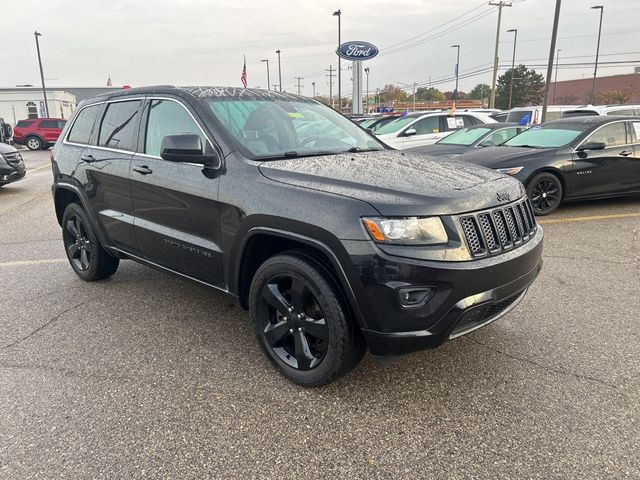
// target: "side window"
[[500, 136], [612, 135], [119, 127], [469, 121], [623, 113], [61, 123], [49, 124], [634, 131], [553, 116], [83, 125], [167, 117], [427, 125], [24, 123]]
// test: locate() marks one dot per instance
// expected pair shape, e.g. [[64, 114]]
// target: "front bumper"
[[12, 173], [467, 295]]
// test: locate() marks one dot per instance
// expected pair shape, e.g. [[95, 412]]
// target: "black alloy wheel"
[[545, 192], [301, 322], [86, 256]]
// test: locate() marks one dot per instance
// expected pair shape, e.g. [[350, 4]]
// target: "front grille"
[[482, 314], [490, 232], [13, 158]]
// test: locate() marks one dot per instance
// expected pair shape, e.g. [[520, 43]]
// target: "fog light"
[[415, 296]]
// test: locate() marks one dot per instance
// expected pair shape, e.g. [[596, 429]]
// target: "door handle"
[[87, 158], [142, 169], [625, 153]]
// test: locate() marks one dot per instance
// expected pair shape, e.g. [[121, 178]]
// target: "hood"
[[440, 149], [4, 148], [397, 183], [498, 157]]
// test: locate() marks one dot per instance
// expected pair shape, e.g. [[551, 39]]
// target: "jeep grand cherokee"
[[331, 240]]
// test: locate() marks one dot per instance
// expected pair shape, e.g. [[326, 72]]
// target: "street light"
[[338, 14], [279, 71], [268, 79], [44, 90], [366, 70], [513, 62], [455, 93], [595, 69], [555, 80]]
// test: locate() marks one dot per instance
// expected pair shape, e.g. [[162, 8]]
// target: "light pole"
[[455, 93], [268, 79], [555, 80], [366, 70], [44, 90], [513, 63], [595, 69], [279, 71], [313, 84], [552, 51], [338, 14]]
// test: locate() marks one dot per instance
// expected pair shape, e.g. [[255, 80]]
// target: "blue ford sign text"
[[357, 50]]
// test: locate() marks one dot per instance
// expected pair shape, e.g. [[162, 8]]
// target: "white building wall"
[[14, 106]]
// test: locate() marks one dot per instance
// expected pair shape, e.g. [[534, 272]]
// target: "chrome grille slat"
[[492, 231]]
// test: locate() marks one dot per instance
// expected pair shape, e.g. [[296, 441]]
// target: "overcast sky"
[[200, 42]]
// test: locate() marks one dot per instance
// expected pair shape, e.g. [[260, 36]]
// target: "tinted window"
[[519, 115], [634, 131], [470, 121], [427, 125], [24, 123], [167, 118], [119, 128], [49, 124], [626, 112], [83, 125], [612, 135], [464, 137]]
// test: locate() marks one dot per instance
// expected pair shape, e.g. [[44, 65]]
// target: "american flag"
[[109, 81], [243, 77]]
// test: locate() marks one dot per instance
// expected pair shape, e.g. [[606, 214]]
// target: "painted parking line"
[[39, 168], [591, 218], [22, 263]]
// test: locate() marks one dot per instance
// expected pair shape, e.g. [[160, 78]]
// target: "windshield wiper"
[[358, 150], [525, 146]]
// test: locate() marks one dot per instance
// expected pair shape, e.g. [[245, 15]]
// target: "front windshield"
[[368, 123], [395, 125], [547, 136], [465, 137], [289, 127]]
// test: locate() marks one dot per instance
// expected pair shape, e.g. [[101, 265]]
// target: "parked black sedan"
[[570, 159], [11, 164], [467, 139]]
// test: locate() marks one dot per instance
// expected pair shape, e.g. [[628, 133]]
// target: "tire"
[[301, 321], [33, 143], [545, 193], [86, 256]]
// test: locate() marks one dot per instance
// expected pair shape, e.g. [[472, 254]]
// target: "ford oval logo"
[[357, 51]]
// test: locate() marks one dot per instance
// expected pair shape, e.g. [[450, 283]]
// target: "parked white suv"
[[419, 130]]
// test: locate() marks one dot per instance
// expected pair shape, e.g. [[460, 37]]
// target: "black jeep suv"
[[331, 240]]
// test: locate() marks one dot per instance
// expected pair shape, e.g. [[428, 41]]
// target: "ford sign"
[[357, 51]]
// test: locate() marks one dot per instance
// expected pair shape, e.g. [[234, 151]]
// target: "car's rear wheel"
[[301, 321], [545, 192], [33, 143], [87, 257]]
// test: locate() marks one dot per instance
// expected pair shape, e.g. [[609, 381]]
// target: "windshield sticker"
[[295, 115], [536, 127], [459, 122]]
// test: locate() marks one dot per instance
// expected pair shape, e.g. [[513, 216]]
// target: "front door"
[[177, 218], [602, 172], [428, 132]]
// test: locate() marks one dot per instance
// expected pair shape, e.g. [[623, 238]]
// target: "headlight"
[[406, 231], [510, 170]]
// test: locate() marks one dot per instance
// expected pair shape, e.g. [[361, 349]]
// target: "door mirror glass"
[[592, 146], [186, 147], [409, 132]]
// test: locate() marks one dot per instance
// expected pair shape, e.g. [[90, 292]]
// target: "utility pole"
[[313, 84], [500, 4], [44, 90], [268, 79], [338, 14], [555, 81], [414, 96], [455, 93], [552, 51], [366, 70], [299, 79], [279, 71], [595, 69], [513, 63], [331, 75], [430, 94]]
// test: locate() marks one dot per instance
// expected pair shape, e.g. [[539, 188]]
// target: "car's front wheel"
[[301, 320], [87, 257], [34, 143], [545, 192]]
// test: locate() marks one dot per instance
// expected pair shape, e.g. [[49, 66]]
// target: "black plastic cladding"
[[492, 231]]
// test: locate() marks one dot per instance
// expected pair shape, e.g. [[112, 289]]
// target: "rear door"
[[49, 130], [601, 172], [177, 218], [105, 165]]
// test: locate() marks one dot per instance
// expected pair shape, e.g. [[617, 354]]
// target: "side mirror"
[[592, 146], [410, 131], [187, 148]]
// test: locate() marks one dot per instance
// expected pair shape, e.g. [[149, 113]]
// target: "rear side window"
[[49, 124], [83, 125], [24, 123], [119, 127]]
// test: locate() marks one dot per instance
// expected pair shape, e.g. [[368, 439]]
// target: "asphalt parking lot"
[[146, 375]]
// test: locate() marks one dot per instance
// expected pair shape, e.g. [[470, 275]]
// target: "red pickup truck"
[[38, 133]]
